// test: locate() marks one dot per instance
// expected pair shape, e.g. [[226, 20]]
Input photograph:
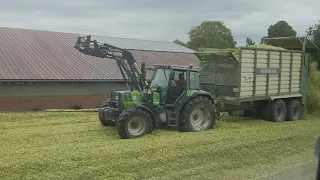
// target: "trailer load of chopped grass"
[[259, 46]]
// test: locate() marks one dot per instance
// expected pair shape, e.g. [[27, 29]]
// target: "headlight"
[[116, 96]]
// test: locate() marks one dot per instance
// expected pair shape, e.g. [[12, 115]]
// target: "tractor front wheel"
[[197, 115], [134, 123]]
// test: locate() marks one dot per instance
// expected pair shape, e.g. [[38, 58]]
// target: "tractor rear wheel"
[[134, 123], [197, 115]]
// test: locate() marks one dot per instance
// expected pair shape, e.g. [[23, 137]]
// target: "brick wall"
[[54, 102]]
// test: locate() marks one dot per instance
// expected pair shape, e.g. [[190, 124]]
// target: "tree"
[[210, 34], [281, 29], [177, 41], [261, 41], [313, 33], [249, 42]]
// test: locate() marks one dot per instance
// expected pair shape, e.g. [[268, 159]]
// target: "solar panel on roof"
[[136, 44]]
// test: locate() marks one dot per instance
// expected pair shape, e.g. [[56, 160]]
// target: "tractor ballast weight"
[[169, 100]]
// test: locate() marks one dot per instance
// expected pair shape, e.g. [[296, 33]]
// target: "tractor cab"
[[171, 81]]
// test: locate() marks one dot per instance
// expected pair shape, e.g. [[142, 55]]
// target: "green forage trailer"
[[263, 80]]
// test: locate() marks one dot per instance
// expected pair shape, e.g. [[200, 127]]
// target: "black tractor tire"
[[278, 110], [185, 120], [123, 123], [294, 110]]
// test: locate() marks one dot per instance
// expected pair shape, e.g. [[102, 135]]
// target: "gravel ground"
[[305, 172]]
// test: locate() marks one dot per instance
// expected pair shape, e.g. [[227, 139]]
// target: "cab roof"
[[183, 68]]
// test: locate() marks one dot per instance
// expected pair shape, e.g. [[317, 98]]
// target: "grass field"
[[73, 145]]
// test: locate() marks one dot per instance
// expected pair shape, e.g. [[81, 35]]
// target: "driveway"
[[305, 172]]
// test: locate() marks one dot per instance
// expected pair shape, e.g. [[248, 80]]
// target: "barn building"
[[42, 70]]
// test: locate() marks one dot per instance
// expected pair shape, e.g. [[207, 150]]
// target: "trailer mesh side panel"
[[219, 74]]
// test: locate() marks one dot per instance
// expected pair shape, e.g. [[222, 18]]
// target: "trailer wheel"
[[294, 110], [197, 115], [248, 113], [134, 123], [265, 111], [278, 110]]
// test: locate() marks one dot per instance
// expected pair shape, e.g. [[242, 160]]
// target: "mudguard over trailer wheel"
[[276, 110], [197, 115], [134, 123], [294, 110]]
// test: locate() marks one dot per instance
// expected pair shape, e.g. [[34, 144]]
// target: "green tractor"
[[172, 99]]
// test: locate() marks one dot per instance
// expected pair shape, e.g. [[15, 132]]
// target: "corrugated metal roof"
[[44, 55], [137, 44]]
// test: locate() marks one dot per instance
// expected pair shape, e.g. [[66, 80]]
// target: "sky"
[[160, 20]]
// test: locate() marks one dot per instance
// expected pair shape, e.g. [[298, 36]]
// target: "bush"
[[313, 101], [36, 109]]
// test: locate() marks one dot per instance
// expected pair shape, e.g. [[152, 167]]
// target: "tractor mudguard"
[[192, 94], [201, 93], [147, 109]]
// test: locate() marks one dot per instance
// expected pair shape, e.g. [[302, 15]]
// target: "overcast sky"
[[164, 20]]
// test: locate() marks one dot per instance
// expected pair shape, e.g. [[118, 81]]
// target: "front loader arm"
[[124, 58]]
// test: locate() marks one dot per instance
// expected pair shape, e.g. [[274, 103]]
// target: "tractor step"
[[172, 123]]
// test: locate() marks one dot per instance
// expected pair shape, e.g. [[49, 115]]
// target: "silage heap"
[[259, 46]]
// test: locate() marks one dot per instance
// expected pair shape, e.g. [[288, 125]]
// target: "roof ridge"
[[133, 38], [6, 27], [86, 33]]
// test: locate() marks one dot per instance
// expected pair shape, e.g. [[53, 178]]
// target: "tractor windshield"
[[161, 78]]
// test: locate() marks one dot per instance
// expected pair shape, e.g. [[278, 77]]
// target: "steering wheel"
[[171, 84]]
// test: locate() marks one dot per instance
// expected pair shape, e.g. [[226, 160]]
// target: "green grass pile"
[[259, 46], [53, 145]]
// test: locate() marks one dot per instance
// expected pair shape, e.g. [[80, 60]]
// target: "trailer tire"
[[143, 118], [294, 110], [248, 113], [265, 111], [278, 110], [187, 121]]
